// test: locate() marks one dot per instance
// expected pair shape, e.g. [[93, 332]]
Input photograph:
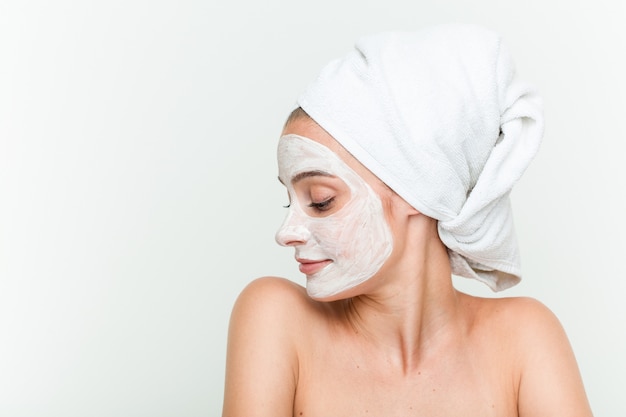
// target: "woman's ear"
[[397, 204]]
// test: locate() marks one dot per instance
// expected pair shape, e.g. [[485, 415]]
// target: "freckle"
[[419, 373], [300, 412], [434, 390]]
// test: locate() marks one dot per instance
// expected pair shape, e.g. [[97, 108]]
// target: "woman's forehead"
[[300, 157], [306, 127]]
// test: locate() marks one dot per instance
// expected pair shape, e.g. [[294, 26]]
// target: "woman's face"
[[335, 220]]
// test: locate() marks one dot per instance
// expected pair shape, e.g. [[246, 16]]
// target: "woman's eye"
[[322, 206]]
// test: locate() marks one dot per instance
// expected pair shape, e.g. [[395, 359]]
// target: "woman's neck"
[[411, 310]]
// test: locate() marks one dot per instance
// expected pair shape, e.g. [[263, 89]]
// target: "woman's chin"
[[328, 295]]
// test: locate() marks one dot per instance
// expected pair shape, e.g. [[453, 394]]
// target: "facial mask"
[[356, 239]]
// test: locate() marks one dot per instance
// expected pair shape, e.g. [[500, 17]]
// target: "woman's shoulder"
[[519, 312], [512, 305], [272, 286], [526, 334], [272, 294], [274, 304], [263, 338], [519, 317], [525, 329]]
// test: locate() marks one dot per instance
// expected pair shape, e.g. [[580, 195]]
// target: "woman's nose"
[[292, 232]]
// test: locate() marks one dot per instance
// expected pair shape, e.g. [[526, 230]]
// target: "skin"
[[403, 343], [337, 234]]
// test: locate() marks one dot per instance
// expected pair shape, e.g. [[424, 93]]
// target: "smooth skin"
[[403, 343]]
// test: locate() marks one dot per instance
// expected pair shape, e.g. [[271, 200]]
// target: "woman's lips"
[[309, 267]]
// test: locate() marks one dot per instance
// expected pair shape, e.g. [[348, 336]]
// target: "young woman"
[[398, 164]]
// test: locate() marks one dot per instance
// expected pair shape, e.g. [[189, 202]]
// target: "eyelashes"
[[321, 206]]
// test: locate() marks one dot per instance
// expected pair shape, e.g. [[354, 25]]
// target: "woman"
[[398, 165]]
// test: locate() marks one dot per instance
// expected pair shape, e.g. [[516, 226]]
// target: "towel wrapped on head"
[[440, 116]]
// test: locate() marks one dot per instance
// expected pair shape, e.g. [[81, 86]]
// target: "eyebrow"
[[306, 174]]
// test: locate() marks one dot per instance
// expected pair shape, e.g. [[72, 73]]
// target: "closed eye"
[[323, 205]]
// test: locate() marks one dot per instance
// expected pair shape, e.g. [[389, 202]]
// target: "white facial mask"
[[356, 238]]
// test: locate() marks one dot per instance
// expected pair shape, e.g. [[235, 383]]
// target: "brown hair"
[[298, 113]]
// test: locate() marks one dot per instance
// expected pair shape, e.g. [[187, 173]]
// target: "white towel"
[[440, 116]]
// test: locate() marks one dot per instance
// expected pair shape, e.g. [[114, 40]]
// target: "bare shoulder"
[[513, 326], [525, 325], [549, 380], [268, 309], [272, 300], [262, 356], [263, 291], [278, 309], [522, 313], [536, 323]]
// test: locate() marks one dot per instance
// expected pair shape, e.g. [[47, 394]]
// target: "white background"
[[138, 190]]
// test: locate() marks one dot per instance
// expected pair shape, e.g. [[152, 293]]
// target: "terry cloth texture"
[[440, 116]]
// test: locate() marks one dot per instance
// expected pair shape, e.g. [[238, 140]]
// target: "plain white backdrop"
[[138, 190]]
